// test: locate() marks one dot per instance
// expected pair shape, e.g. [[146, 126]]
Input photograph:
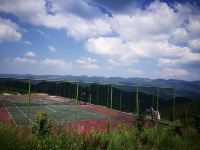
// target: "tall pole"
[[60, 89], [97, 94], [153, 98], [11, 85], [120, 100], [174, 103], [64, 92], [158, 94], [107, 95], [29, 98], [69, 90], [111, 98], [56, 88], [46, 87], [137, 101], [89, 95], [77, 86]]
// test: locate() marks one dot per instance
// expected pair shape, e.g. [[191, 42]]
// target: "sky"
[[111, 38]]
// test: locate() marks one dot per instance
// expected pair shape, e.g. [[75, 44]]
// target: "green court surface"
[[59, 112]]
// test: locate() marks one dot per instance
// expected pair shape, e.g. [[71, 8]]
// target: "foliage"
[[41, 131], [48, 135]]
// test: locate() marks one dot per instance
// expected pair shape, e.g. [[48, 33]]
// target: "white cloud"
[[195, 45], [165, 34], [76, 25], [9, 30], [135, 72], [174, 73], [58, 63], [30, 54], [144, 34], [27, 42], [88, 63], [21, 60], [51, 48]]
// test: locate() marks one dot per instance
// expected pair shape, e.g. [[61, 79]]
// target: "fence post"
[[120, 100], [107, 95], [153, 98], [77, 86], [97, 94], [111, 97], [137, 101], [174, 103], [157, 98], [29, 98]]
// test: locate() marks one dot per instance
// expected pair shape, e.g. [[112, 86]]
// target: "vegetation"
[[47, 135]]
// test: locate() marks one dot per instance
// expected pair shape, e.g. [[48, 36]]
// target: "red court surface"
[[85, 125]]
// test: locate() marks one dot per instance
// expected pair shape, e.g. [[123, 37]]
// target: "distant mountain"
[[187, 89]]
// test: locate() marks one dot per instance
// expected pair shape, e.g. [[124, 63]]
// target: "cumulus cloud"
[[33, 66], [174, 73], [134, 72], [195, 45], [168, 35], [27, 42], [60, 15], [9, 30], [58, 63], [145, 35], [30, 54], [21, 60], [88, 63], [51, 48]]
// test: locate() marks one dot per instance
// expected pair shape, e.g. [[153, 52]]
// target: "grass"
[[48, 135]]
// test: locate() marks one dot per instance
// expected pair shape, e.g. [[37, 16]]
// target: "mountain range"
[[187, 89]]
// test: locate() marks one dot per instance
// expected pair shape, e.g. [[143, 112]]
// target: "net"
[[32, 95]]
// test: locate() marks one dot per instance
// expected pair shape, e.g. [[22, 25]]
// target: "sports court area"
[[18, 109]]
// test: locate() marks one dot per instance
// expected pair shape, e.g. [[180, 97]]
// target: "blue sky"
[[124, 38]]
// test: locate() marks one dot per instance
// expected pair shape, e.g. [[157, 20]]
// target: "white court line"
[[55, 106], [50, 109], [24, 114], [10, 114], [93, 113], [83, 111]]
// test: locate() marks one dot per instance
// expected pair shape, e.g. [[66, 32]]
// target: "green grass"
[[165, 138]]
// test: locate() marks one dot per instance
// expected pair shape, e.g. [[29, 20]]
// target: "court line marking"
[[24, 114], [10, 114], [81, 110], [50, 109]]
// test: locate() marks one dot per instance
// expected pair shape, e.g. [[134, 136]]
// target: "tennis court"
[[58, 109], [21, 111]]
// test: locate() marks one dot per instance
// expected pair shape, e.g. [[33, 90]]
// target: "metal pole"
[[29, 98], [157, 98], [69, 90], [107, 96], [137, 101], [77, 86], [11, 85], [64, 92], [120, 100], [97, 94], [60, 89], [174, 103], [153, 98], [46, 87], [111, 98], [56, 88], [89, 96]]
